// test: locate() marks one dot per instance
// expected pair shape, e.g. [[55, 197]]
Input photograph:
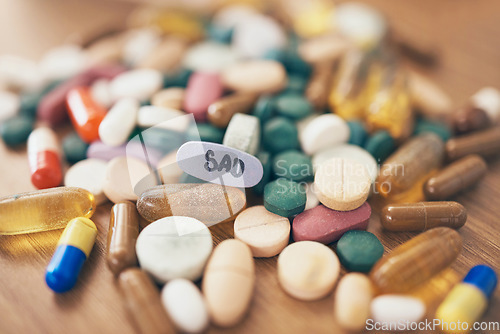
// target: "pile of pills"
[[177, 119]]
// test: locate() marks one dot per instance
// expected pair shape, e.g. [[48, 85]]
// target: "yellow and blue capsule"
[[73, 249], [468, 300]]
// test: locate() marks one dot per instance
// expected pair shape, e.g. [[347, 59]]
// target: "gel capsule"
[[44, 158], [86, 115], [468, 300], [409, 164], [423, 216], [44, 210], [122, 235], [417, 260], [485, 143], [456, 177], [73, 249], [143, 302], [209, 203]]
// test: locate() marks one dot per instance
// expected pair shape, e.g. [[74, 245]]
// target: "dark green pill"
[[437, 128], [16, 130], [358, 133], [380, 145], [74, 148], [264, 108], [359, 250], [178, 78], [292, 105], [265, 160], [280, 134], [285, 198], [205, 132], [293, 165]]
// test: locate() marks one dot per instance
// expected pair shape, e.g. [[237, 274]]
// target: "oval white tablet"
[[209, 57], [185, 305], [88, 174], [322, 132], [165, 118], [174, 247], [392, 309], [219, 164], [139, 84], [347, 151], [119, 122]]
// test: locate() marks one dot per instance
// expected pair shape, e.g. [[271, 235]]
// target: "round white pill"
[[308, 270], [393, 309], [185, 305], [88, 174], [264, 232], [174, 247], [322, 132]]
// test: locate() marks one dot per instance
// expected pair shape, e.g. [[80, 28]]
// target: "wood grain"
[[465, 33]]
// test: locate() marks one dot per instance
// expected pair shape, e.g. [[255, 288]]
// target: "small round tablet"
[[308, 270], [174, 247], [342, 184], [88, 174], [264, 232], [185, 305]]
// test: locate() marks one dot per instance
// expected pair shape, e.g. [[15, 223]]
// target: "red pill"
[[85, 114], [202, 90], [44, 158]]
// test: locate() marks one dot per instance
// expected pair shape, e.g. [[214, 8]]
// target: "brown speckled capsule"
[[417, 260], [143, 302], [221, 111], [422, 216], [485, 143], [122, 235], [318, 87], [210, 203], [456, 177]]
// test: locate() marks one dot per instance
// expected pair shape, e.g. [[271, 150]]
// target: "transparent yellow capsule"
[[44, 210], [390, 107]]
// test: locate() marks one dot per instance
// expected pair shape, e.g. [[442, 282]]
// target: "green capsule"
[[16, 130]]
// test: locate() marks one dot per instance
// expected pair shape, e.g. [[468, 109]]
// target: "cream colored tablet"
[[88, 174], [308, 270], [172, 97], [352, 301], [264, 232], [342, 184], [122, 176], [255, 76]]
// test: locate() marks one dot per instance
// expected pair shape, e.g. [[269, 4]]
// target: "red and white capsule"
[[44, 158]]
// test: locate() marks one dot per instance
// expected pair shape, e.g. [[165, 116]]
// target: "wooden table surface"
[[465, 32]]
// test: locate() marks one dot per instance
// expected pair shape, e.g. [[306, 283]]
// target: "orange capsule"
[[86, 115]]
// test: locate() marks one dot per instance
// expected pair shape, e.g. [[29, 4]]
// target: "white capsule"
[[63, 62], [42, 139], [119, 122], [392, 309], [139, 84], [185, 305], [165, 118], [488, 99]]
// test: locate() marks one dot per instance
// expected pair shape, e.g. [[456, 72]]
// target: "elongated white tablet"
[[185, 305], [219, 164], [243, 133], [119, 122], [140, 84], [166, 118], [88, 174], [174, 247]]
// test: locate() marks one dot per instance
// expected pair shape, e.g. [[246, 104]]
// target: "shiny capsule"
[[44, 158], [209, 203], [143, 302], [482, 111], [86, 115], [319, 84], [221, 111], [410, 163], [73, 249], [484, 143], [456, 177], [122, 235], [44, 210], [417, 260], [468, 300], [422, 216]]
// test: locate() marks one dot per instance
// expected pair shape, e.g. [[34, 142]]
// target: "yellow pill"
[[44, 210]]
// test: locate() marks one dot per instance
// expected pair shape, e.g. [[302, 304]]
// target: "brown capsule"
[[456, 177], [485, 143], [122, 235], [470, 119], [422, 216], [221, 111], [143, 302], [417, 260], [318, 87], [210, 203]]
